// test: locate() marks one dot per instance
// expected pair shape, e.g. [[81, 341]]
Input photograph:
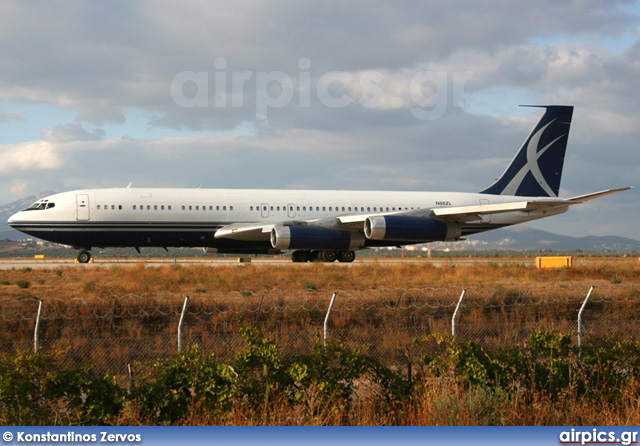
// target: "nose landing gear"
[[84, 256]]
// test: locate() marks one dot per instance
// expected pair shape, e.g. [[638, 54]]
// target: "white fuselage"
[[190, 217]]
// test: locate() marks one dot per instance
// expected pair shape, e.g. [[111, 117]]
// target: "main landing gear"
[[84, 256], [323, 256]]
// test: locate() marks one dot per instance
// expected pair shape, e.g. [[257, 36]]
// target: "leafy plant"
[[23, 284]]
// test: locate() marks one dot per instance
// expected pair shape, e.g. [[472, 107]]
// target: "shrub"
[[23, 284], [33, 391]]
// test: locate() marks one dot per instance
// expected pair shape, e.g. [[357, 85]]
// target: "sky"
[[365, 95]]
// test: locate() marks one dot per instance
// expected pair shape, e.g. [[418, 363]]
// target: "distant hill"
[[522, 238], [7, 210]]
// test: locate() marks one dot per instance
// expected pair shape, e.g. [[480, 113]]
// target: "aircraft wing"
[[465, 213], [254, 232], [261, 232]]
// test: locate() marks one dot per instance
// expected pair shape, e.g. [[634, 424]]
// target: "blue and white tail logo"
[[536, 169]]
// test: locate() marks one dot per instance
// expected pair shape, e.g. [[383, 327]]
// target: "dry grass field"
[[74, 281], [111, 317]]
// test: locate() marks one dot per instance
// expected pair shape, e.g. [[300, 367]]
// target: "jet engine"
[[415, 229], [314, 237]]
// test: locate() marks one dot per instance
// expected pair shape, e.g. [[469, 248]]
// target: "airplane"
[[317, 225]]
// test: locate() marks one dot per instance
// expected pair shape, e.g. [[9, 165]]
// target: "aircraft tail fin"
[[536, 169]]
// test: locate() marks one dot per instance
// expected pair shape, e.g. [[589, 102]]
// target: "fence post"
[[35, 332], [184, 310], [455, 314], [584, 304], [259, 309], [326, 320], [397, 304]]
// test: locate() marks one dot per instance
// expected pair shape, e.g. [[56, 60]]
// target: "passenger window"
[[272, 208], [169, 207], [155, 207], [251, 208], [113, 207], [349, 208], [183, 208], [162, 207], [329, 207], [231, 208], [99, 207], [190, 207], [224, 208], [277, 208], [148, 207], [211, 208]]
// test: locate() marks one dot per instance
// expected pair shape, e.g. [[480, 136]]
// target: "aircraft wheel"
[[329, 256], [346, 256], [84, 256]]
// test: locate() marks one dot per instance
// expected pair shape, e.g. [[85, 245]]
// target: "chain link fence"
[[112, 332]]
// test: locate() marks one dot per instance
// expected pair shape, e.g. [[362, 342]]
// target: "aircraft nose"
[[14, 218]]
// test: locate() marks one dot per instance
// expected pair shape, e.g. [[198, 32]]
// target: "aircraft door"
[[291, 210], [264, 210], [485, 218], [82, 207]]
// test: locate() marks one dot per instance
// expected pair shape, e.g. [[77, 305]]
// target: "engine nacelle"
[[314, 237], [415, 229]]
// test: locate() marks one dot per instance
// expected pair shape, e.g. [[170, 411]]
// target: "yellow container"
[[39, 257], [554, 262]]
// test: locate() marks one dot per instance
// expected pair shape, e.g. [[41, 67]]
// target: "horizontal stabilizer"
[[587, 197]]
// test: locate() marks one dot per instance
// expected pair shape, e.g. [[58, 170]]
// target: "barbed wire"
[[277, 301]]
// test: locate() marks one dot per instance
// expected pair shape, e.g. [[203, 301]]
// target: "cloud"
[[71, 132], [13, 116], [34, 155]]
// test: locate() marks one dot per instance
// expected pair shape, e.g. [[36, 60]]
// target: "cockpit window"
[[40, 205]]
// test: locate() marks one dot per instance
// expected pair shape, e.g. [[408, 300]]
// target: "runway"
[[19, 263]]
